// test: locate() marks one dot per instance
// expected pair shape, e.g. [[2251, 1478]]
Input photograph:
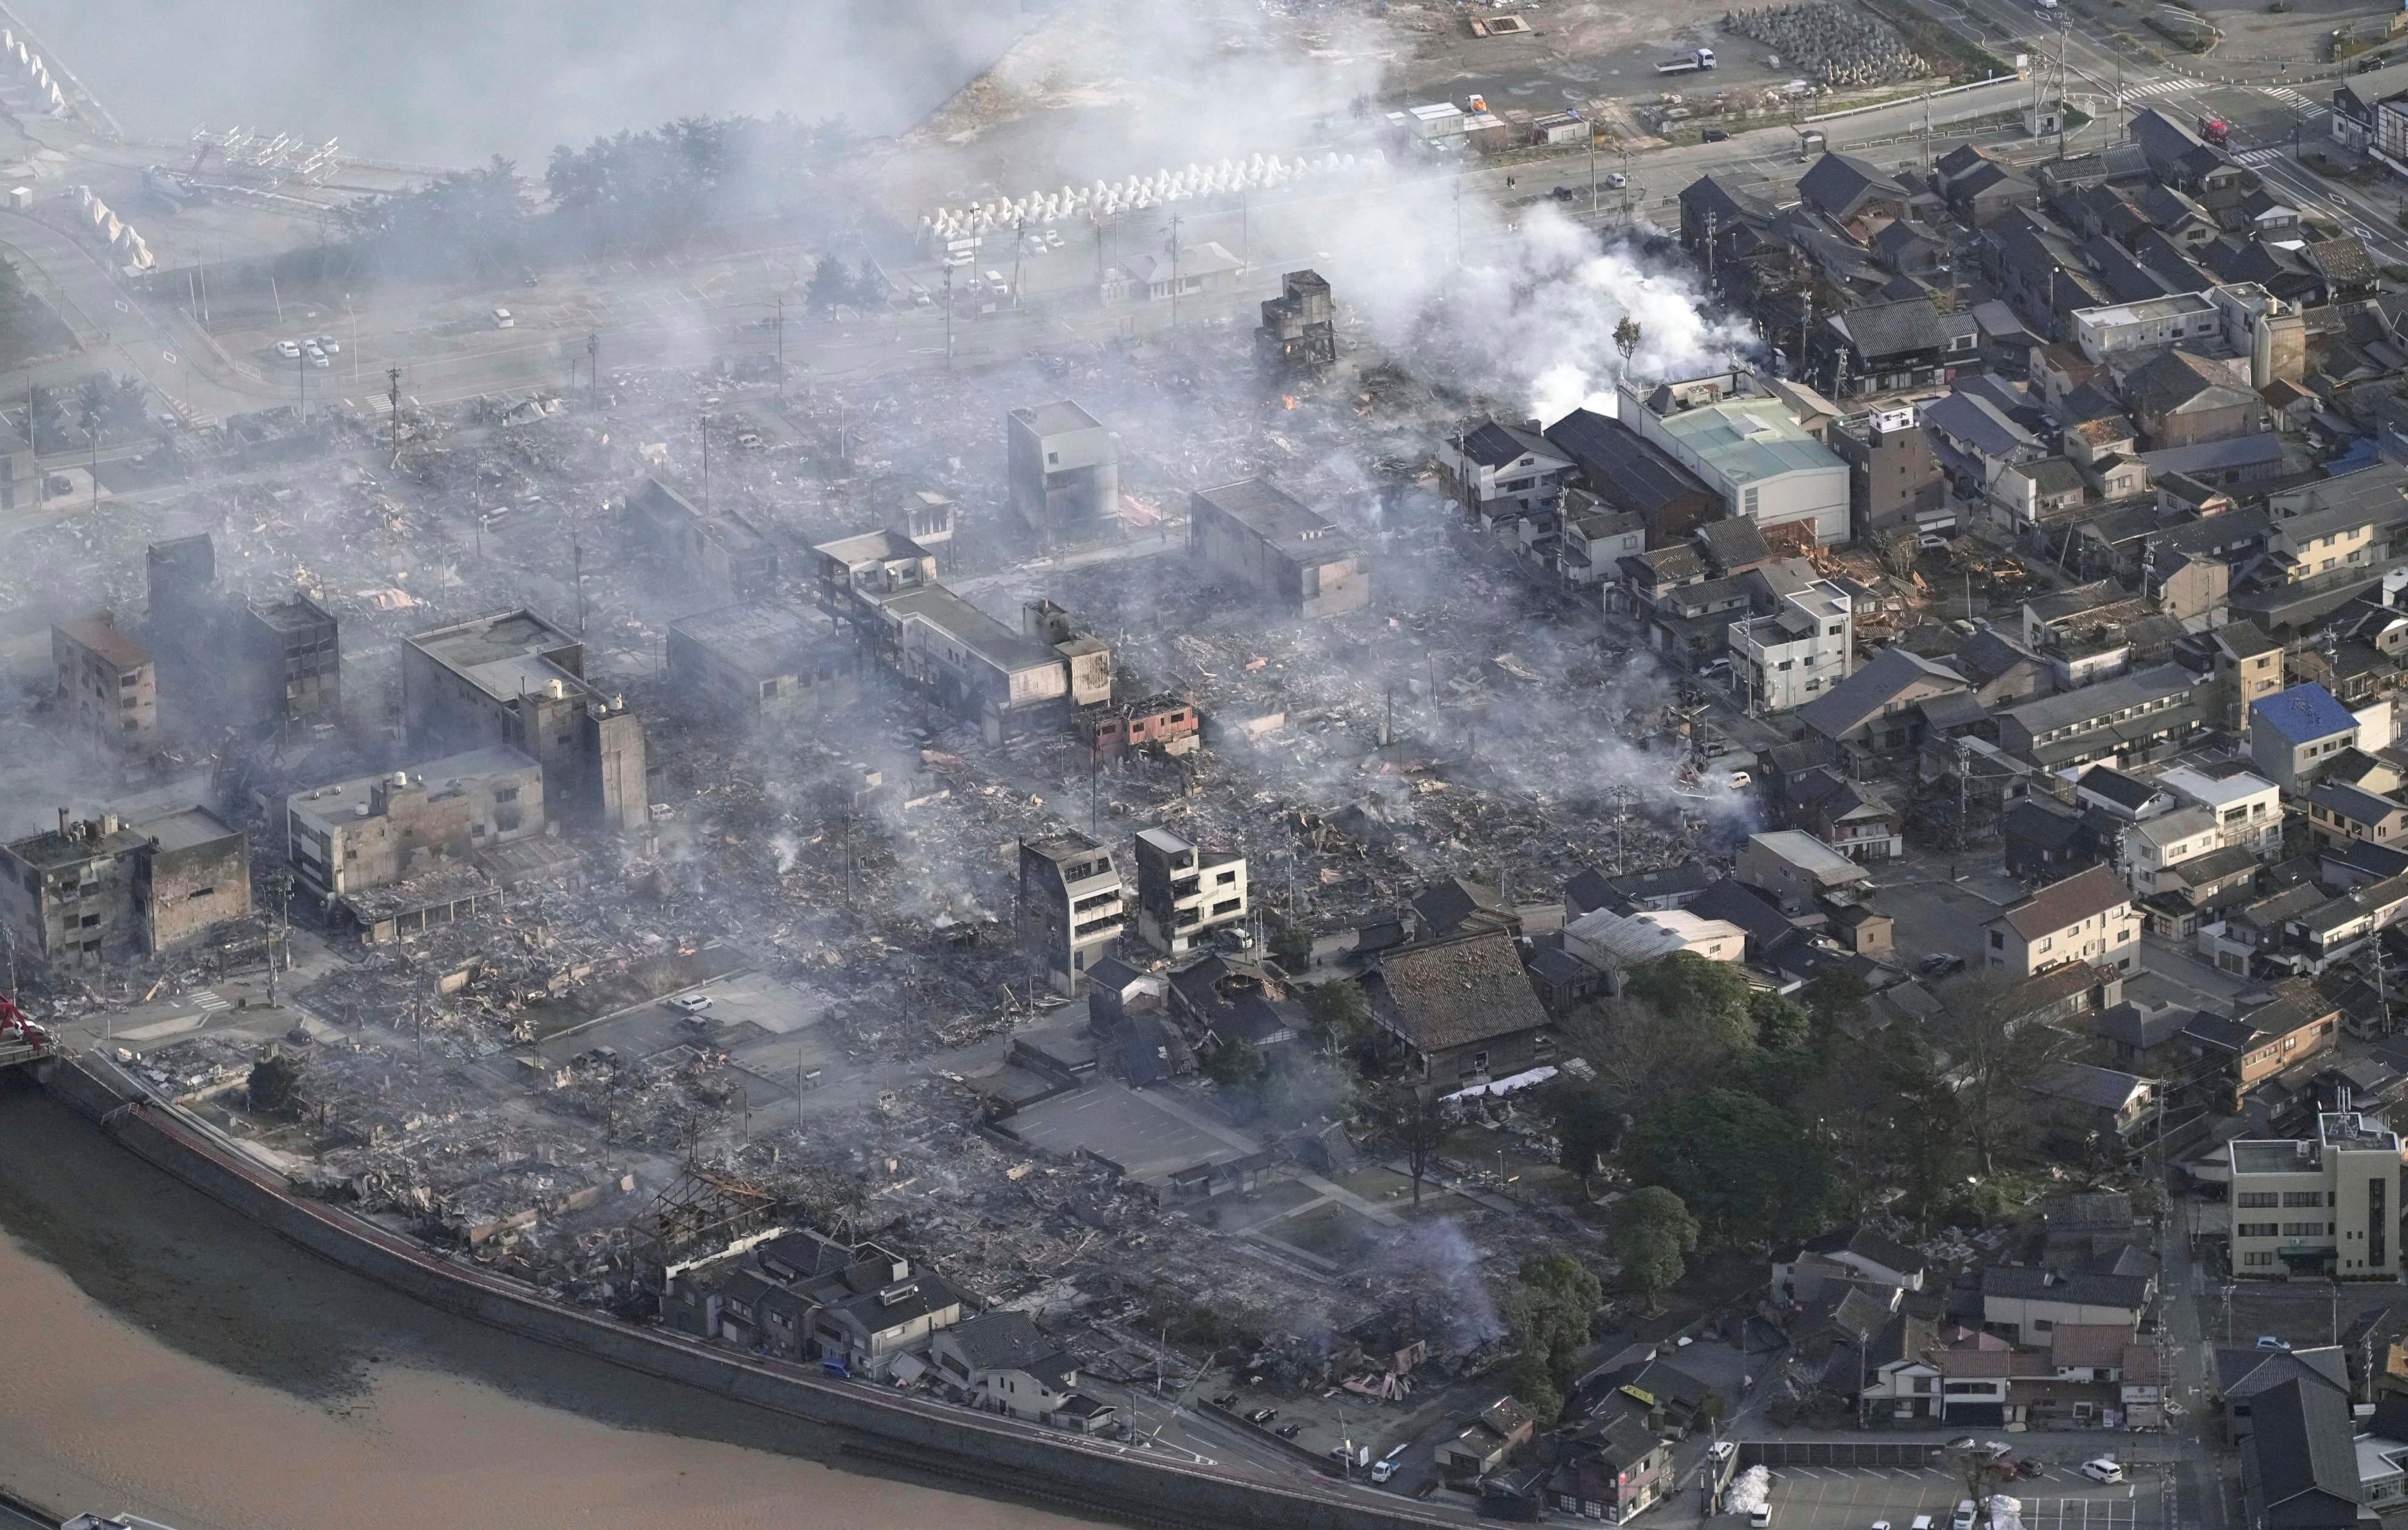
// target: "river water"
[[453, 81], [159, 1354]]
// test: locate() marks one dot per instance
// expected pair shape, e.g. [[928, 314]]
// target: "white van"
[[502, 320]]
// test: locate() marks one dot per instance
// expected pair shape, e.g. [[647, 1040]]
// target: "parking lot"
[[1856, 1499]]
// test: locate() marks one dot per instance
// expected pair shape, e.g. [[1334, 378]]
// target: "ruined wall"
[[185, 893], [988, 1454]]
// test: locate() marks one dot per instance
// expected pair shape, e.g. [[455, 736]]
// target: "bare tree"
[[1993, 1045], [1410, 1106]]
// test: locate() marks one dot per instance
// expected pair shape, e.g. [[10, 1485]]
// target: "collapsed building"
[[356, 835], [1298, 332]]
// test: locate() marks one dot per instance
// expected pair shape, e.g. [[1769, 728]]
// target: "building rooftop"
[[2080, 896], [1744, 440], [2148, 310], [100, 633], [1279, 517], [966, 624], [507, 654], [50, 849], [879, 545], [1056, 419], [340, 802], [761, 637], [183, 828]]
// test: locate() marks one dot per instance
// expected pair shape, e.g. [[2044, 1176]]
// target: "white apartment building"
[[1753, 453], [2157, 845], [2248, 808], [2327, 1204], [1804, 648], [1184, 893]]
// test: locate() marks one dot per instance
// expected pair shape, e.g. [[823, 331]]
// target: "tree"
[[1706, 998], [1836, 998], [1979, 1468], [1586, 1127], [1743, 1167], [1551, 1308], [1627, 335], [274, 1087], [1409, 1109], [869, 286], [1994, 1049], [1234, 1065], [1342, 1012], [1781, 1023], [1651, 1230], [829, 285]]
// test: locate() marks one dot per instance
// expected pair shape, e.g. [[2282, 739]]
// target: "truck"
[[2216, 131], [1689, 63]]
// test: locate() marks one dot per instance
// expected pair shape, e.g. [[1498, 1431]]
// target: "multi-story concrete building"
[[374, 831], [2322, 1205], [1184, 893], [97, 890], [236, 661], [1071, 909], [108, 687], [1288, 555], [763, 660], [2295, 733], [1297, 333], [2088, 917], [1895, 485], [1802, 649], [857, 574], [1065, 472], [2248, 808], [513, 678], [715, 549]]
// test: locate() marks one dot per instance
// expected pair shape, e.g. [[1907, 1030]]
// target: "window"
[[2257, 1260], [508, 793], [2304, 1229], [2254, 1198], [1747, 501], [2256, 1229]]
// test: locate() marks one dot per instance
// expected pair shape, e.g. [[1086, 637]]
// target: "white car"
[[289, 350], [1617, 180], [693, 1004], [2104, 1469], [1382, 1471], [502, 320], [326, 343], [1760, 1518]]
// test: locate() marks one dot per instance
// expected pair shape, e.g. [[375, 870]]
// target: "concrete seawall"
[[977, 1450]]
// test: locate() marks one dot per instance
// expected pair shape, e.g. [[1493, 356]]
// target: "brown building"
[[108, 688], [1297, 332], [234, 660], [1288, 555], [378, 830], [107, 889], [1896, 486], [513, 678]]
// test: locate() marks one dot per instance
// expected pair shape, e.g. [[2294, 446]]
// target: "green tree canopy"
[[1550, 1308], [1651, 1231], [1781, 1023], [1586, 1125], [1744, 1167]]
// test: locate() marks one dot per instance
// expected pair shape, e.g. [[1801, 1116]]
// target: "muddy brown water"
[[160, 1354]]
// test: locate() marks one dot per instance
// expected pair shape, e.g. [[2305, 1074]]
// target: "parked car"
[[1931, 541], [693, 1004], [327, 344], [502, 320], [1715, 135], [1561, 194], [1940, 964], [2104, 1469], [1227, 1399], [2268, 1341], [1382, 1471], [1963, 1518], [1760, 1517], [1288, 1431], [289, 350], [1617, 180], [1262, 1415]]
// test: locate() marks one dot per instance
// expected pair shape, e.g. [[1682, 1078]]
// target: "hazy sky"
[[450, 81]]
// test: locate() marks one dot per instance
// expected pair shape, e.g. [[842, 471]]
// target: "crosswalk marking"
[[2258, 156], [2288, 96], [209, 1002], [2159, 87]]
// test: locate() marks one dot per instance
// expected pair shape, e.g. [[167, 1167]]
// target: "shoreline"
[[992, 1456]]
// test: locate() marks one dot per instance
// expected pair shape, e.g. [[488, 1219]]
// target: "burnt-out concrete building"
[[106, 685], [1297, 333], [373, 831], [1186, 893], [236, 661], [513, 678], [763, 660], [1063, 468], [94, 890], [1270, 541], [1071, 909], [717, 549]]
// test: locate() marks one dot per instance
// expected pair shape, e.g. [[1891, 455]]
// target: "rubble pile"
[[1840, 47]]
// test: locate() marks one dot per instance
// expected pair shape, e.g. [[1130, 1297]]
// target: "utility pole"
[[593, 374], [1627, 215], [301, 369], [577, 553], [1020, 248], [949, 298], [1174, 270], [1592, 172], [393, 406], [702, 423], [781, 345]]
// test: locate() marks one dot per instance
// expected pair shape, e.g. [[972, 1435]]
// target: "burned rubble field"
[[452, 1088]]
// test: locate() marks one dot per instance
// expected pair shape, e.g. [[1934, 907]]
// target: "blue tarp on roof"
[[2302, 712]]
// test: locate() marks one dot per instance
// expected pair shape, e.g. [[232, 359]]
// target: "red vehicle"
[[2216, 131], [17, 1031]]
